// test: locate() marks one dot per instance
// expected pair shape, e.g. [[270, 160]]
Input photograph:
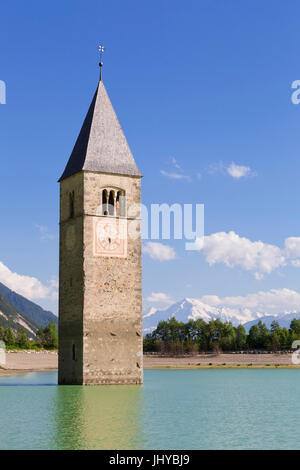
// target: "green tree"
[[253, 337], [275, 336], [227, 339], [264, 336], [9, 337], [150, 344], [40, 337], [295, 327], [2, 333], [294, 330], [285, 339], [274, 326], [162, 331], [241, 338], [50, 336], [195, 333], [212, 335], [22, 340], [170, 331]]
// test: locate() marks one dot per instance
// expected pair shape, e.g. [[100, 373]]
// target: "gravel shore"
[[18, 362], [273, 360]]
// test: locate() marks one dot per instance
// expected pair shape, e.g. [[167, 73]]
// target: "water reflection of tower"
[[107, 417]]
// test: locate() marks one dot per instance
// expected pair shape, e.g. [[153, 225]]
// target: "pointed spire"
[[101, 145]]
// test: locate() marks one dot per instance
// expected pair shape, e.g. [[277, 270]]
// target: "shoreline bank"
[[20, 362]]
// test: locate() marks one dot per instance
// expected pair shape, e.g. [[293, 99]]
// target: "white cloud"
[[239, 171], [266, 302], [177, 174], [160, 297], [257, 256], [215, 168], [29, 287], [233, 250], [292, 247], [295, 263], [175, 163], [54, 282], [159, 251], [258, 276], [234, 170]]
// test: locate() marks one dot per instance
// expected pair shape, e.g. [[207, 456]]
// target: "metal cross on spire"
[[101, 50]]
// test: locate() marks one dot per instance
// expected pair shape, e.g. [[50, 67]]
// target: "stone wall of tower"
[[71, 285], [112, 307]]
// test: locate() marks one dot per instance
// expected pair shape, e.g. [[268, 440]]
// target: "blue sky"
[[201, 83]]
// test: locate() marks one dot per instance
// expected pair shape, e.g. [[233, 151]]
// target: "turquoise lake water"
[[174, 409]]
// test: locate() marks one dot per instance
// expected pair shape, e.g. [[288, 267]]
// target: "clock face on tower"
[[110, 237]]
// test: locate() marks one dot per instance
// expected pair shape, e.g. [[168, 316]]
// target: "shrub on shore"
[[46, 338]]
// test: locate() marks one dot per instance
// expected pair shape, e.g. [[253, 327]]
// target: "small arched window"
[[104, 202], [113, 202], [121, 204]]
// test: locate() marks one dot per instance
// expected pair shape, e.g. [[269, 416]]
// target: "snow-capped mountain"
[[188, 309]]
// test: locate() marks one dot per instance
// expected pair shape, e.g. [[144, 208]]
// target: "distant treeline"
[[46, 338], [174, 337]]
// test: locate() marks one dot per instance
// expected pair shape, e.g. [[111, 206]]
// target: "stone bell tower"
[[100, 274]]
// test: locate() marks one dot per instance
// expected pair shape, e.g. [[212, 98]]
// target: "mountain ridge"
[[32, 312], [10, 317], [191, 308]]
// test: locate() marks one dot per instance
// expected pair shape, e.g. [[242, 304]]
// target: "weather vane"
[[101, 50]]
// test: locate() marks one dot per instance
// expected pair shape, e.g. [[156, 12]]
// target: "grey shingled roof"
[[101, 144]]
